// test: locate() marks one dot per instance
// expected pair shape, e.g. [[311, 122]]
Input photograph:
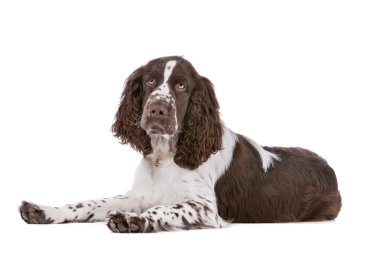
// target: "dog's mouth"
[[159, 126], [156, 129]]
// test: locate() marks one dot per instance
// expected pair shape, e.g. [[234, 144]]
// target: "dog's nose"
[[158, 109]]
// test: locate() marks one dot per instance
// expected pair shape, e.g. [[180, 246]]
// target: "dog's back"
[[300, 186]]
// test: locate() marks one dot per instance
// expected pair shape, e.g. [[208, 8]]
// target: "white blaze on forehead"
[[163, 91], [168, 70]]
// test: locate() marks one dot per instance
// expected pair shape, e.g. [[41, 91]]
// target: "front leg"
[[84, 211], [184, 216]]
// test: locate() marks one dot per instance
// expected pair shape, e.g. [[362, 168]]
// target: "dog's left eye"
[[180, 86], [151, 82]]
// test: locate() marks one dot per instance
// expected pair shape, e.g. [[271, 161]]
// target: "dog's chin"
[[158, 131]]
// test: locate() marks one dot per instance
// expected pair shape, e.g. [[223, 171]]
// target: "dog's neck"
[[163, 149]]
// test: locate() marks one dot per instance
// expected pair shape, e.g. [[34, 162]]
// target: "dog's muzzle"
[[159, 118]]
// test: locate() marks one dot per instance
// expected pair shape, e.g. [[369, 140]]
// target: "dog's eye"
[[180, 86], [151, 82]]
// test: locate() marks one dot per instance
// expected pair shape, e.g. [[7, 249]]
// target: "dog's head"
[[167, 97]]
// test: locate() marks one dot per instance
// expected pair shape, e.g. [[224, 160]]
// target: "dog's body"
[[196, 173]]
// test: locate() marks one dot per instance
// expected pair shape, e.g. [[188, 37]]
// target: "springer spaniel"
[[195, 172]]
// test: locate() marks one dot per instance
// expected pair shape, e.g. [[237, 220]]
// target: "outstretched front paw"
[[120, 222], [32, 214]]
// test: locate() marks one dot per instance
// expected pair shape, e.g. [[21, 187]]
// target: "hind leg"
[[320, 206]]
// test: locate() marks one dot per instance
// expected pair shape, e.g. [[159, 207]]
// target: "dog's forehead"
[[158, 66]]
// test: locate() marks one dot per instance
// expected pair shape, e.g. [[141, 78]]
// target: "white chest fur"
[[159, 181], [164, 184]]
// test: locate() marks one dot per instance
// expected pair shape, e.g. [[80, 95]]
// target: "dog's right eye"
[[151, 82]]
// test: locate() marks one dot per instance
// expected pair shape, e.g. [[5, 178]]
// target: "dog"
[[196, 172]]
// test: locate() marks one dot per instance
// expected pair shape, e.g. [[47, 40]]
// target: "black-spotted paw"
[[32, 214], [120, 222]]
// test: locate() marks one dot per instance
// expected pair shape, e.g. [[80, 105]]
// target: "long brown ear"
[[127, 120], [202, 130]]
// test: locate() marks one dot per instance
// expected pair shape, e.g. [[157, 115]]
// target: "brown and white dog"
[[195, 172]]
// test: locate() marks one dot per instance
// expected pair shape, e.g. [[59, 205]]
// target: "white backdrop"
[[287, 73]]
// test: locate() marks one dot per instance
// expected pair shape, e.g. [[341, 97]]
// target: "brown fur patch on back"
[[300, 187]]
